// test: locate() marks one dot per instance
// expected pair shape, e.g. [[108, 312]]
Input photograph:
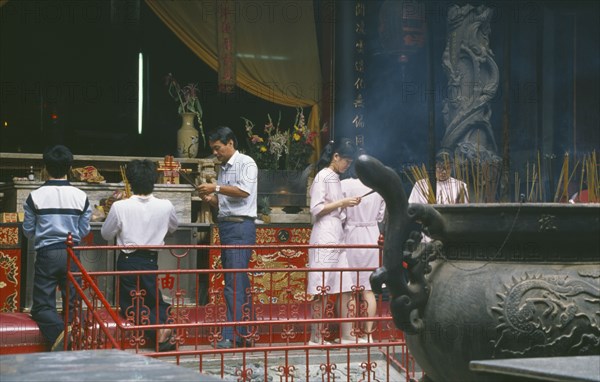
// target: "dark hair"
[[223, 134], [141, 175], [443, 157], [344, 148], [351, 172], [58, 160]]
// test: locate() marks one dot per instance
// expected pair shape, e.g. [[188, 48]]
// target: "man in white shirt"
[[142, 220], [448, 189], [235, 197]]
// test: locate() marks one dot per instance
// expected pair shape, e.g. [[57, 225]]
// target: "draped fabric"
[[276, 44], [3, 2]]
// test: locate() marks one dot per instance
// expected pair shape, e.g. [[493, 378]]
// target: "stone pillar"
[[472, 82]]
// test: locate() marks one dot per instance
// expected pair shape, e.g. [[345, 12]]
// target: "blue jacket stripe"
[[59, 211]]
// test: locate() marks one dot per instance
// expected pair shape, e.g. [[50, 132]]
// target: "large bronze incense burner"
[[515, 280]]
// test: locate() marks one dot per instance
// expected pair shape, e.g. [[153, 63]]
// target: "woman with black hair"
[[327, 206]]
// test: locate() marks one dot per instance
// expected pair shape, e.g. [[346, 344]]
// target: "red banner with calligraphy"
[[226, 15]]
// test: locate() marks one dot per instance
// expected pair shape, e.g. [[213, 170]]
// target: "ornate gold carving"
[[300, 235], [9, 274], [10, 303], [9, 236], [272, 287]]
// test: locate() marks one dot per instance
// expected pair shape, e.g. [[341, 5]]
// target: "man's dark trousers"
[[145, 306], [50, 272], [237, 286]]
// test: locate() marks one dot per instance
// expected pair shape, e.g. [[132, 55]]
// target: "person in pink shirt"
[[362, 227], [327, 205]]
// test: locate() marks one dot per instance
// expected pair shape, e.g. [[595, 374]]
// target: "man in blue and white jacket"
[[51, 212]]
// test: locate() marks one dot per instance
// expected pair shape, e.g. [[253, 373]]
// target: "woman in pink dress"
[[327, 206], [361, 227]]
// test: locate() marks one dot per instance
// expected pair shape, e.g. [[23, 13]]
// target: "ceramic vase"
[[187, 137]]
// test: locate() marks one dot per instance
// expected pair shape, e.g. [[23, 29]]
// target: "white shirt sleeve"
[[111, 225], [173, 222], [318, 191], [418, 193]]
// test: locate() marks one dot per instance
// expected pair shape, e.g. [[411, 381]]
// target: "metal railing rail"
[[91, 329]]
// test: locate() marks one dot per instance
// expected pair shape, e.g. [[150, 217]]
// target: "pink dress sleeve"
[[318, 191]]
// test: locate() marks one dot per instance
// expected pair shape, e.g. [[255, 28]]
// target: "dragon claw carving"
[[377, 279]]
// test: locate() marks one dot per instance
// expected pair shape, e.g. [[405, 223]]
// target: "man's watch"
[[217, 189]]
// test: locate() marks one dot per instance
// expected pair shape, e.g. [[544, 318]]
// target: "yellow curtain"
[[277, 53]]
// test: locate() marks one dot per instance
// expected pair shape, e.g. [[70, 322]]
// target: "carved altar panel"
[[275, 287], [10, 267]]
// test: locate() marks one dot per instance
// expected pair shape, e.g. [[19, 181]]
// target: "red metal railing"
[[278, 326]]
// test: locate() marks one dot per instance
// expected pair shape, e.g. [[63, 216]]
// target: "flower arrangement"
[[187, 99], [300, 144], [294, 145], [268, 149]]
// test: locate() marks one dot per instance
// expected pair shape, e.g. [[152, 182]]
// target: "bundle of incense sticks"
[[589, 176], [482, 178], [417, 173], [565, 178], [125, 182], [534, 183], [592, 176]]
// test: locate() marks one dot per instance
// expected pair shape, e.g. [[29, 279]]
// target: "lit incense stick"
[[368, 193]]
